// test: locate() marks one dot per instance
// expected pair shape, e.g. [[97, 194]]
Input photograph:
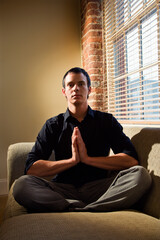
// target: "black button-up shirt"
[[100, 132]]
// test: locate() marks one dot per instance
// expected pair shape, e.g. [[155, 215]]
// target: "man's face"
[[76, 89]]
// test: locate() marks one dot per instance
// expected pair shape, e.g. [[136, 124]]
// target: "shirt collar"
[[67, 114]]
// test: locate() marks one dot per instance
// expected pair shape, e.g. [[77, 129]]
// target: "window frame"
[[116, 33]]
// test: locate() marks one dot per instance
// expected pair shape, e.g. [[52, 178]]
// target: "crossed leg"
[[39, 195], [125, 190]]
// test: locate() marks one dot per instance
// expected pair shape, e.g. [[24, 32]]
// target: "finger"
[[75, 153], [75, 131], [74, 141], [79, 137], [74, 146], [78, 133], [74, 135]]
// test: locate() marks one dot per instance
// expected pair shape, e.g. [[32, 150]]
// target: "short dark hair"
[[77, 70]]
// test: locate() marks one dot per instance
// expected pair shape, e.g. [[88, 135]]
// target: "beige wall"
[[39, 41]]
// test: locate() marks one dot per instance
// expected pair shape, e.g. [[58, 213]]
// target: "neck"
[[79, 111]]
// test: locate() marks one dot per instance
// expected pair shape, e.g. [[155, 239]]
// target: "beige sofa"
[[132, 224]]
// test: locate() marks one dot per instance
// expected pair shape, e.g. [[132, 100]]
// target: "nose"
[[76, 87]]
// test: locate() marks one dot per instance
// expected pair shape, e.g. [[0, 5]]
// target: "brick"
[[92, 5], [94, 39], [95, 65], [95, 52], [95, 71], [95, 58], [92, 34], [91, 20], [93, 12], [97, 87], [95, 84], [96, 45], [93, 26], [96, 78]]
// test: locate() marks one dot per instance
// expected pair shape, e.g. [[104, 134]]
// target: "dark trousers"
[[114, 193]]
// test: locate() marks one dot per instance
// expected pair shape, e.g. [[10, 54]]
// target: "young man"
[[85, 177]]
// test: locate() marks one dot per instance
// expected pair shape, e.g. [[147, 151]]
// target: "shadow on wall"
[[147, 144]]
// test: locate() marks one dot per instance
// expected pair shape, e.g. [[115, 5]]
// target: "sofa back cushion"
[[147, 143]]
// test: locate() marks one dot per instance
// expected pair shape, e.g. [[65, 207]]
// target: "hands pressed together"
[[79, 151], [119, 161]]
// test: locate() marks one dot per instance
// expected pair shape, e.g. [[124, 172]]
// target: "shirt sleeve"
[[120, 143], [43, 146]]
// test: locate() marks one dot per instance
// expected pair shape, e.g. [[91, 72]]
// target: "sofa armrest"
[[16, 157], [12, 208]]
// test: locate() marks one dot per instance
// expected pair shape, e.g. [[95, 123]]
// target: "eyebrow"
[[81, 81]]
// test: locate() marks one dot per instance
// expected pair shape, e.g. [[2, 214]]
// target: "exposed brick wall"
[[92, 49]]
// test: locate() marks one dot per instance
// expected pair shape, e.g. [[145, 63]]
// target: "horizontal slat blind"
[[132, 47]]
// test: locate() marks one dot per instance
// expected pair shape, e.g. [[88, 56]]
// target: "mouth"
[[76, 96]]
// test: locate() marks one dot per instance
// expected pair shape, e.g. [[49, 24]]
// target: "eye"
[[81, 84], [70, 85]]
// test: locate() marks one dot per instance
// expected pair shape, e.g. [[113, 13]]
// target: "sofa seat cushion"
[[126, 225]]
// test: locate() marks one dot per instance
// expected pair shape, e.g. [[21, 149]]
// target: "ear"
[[64, 92], [89, 90]]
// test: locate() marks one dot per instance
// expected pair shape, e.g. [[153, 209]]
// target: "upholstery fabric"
[[126, 225], [147, 143], [12, 207], [16, 157]]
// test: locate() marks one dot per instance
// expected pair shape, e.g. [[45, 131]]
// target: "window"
[[132, 58]]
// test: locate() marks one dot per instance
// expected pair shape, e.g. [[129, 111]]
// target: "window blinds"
[[132, 58]]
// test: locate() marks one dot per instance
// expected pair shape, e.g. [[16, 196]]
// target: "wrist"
[[86, 159], [73, 161]]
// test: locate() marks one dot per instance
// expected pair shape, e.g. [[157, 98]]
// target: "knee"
[[143, 178], [20, 189]]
